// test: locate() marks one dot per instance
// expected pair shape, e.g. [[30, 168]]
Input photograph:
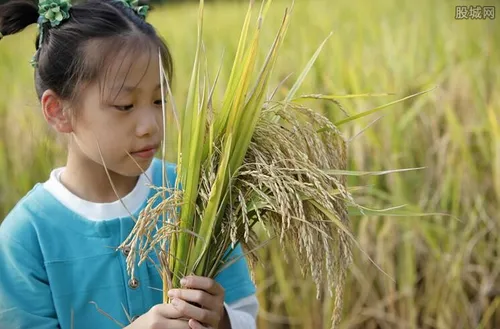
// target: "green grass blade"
[[253, 108], [209, 216], [333, 97], [369, 173], [378, 108], [306, 70], [192, 145], [235, 74]]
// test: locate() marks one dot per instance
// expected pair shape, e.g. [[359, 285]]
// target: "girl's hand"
[[209, 297], [161, 316]]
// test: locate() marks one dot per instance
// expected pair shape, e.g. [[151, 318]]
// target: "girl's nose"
[[148, 122]]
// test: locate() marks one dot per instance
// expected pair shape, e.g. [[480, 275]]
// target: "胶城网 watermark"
[[474, 12]]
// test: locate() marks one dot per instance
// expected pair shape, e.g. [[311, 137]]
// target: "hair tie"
[[134, 5], [53, 12]]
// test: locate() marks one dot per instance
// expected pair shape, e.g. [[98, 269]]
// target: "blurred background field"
[[441, 270]]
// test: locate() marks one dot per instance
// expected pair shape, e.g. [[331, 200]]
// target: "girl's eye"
[[124, 107], [159, 102]]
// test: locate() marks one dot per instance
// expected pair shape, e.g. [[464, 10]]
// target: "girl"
[[97, 78]]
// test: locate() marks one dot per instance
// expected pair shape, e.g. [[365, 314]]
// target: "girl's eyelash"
[[124, 107]]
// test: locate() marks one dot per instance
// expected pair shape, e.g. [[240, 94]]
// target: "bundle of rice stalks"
[[250, 162]]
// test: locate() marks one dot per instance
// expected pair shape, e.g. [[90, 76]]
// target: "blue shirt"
[[57, 268]]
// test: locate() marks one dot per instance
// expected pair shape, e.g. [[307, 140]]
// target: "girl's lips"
[[146, 154]]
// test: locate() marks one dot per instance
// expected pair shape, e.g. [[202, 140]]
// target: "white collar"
[[100, 211]]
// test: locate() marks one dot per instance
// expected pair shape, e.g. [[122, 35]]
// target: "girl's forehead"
[[130, 60], [132, 70]]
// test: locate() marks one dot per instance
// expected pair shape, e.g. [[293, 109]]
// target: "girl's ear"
[[54, 111]]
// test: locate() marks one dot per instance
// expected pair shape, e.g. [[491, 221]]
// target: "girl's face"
[[121, 118]]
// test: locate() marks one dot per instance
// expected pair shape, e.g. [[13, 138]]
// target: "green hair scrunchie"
[[53, 11], [134, 5]]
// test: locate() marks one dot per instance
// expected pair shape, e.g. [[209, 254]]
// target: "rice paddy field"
[[428, 250]]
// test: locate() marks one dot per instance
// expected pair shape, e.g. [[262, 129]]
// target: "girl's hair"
[[80, 50]]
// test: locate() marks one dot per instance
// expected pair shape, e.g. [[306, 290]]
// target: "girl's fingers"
[[166, 311], [194, 296], [203, 283], [201, 315], [193, 324], [158, 321], [176, 324]]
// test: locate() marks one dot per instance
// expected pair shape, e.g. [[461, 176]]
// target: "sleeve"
[[25, 296], [243, 313]]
